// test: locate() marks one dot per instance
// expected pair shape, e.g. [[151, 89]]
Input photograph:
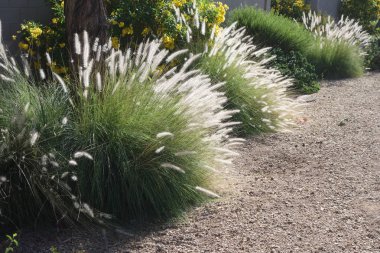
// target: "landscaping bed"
[[315, 189]]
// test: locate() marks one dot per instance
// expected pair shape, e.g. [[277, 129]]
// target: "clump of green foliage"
[[128, 177], [331, 59], [296, 66], [268, 29], [13, 243], [290, 8], [367, 12], [372, 59], [31, 156]]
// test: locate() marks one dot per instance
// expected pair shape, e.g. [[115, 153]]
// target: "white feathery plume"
[[176, 54], [98, 82], [64, 174], [77, 44], [86, 49], [185, 153], [188, 35], [346, 29], [95, 45], [42, 74], [207, 192], [203, 29], [81, 154], [61, 82], [73, 163], [33, 138], [160, 149], [173, 167], [48, 58], [164, 134], [7, 79], [196, 19], [212, 35]]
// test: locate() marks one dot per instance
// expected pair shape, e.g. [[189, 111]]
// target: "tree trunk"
[[89, 15]]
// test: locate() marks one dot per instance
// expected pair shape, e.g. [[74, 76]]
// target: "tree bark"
[[89, 15]]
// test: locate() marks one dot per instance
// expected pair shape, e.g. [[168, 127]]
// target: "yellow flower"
[[146, 31], [221, 16], [35, 32], [178, 27], [127, 31], [54, 20], [62, 45], [168, 42], [23, 46], [179, 3], [63, 4], [299, 3], [114, 22], [14, 37], [50, 49], [115, 42], [121, 24], [217, 30]]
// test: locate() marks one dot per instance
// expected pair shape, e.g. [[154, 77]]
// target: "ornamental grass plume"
[[155, 132], [345, 30], [257, 92]]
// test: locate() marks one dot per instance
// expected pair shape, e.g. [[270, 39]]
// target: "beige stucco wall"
[[264, 4]]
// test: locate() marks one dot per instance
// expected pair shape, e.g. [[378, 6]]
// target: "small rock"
[[343, 122], [306, 98]]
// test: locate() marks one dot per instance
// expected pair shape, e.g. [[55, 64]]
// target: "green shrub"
[[331, 59], [372, 59], [367, 12], [290, 8], [268, 29], [296, 66]]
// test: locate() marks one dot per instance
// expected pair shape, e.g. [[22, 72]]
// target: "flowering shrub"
[[163, 19], [36, 39], [290, 8], [367, 12], [131, 21]]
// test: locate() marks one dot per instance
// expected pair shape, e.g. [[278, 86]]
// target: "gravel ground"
[[316, 189]]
